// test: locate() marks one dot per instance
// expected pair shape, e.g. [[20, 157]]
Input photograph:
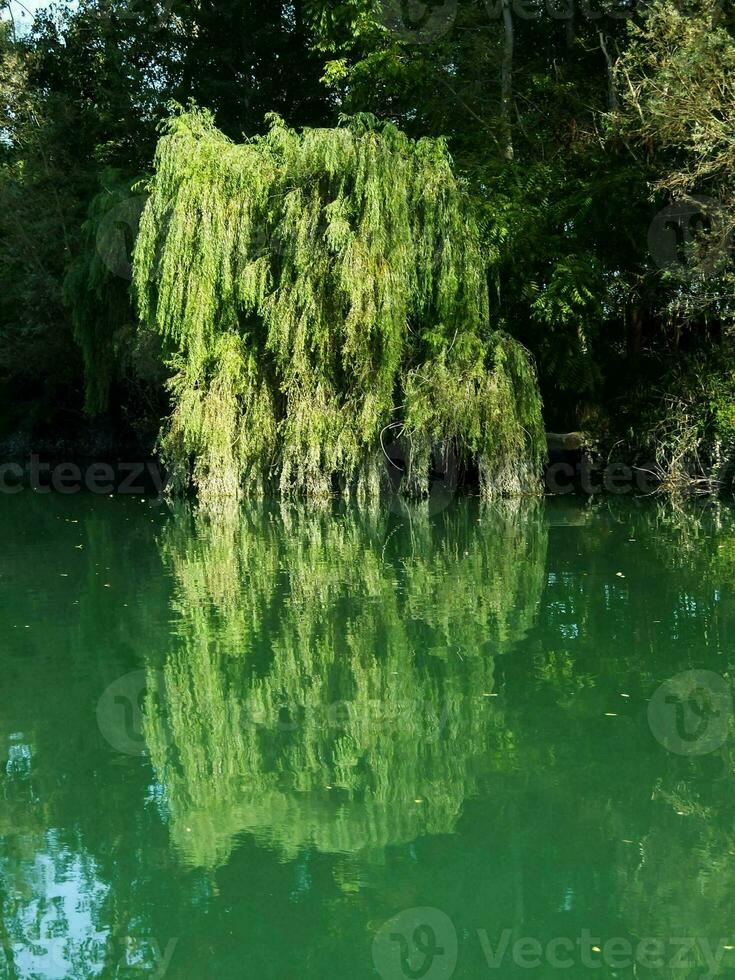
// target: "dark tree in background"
[[546, 112], [82, 95]]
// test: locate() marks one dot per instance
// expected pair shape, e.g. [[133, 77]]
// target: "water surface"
[[293, 743]]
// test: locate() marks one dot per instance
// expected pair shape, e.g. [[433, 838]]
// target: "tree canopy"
[[574, 128], [319, 291]]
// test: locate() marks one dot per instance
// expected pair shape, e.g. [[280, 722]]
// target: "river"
[[302, 743]]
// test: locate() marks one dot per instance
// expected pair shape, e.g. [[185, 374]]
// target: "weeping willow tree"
[[328, 684], [319, 293]]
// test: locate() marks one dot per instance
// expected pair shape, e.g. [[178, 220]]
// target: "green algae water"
[[294, 743]]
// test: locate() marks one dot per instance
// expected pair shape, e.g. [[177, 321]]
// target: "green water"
[[240, 747]]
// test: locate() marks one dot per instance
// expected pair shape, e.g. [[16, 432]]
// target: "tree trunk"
[[634, 339], [506, 79], [612, 95]]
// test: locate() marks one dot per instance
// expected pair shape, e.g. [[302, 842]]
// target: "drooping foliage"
[[686, 426], [380, 649], [321, 292], [677, 84]]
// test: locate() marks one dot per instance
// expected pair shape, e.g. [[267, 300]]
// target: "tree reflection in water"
[[314, 674], [330, 678]]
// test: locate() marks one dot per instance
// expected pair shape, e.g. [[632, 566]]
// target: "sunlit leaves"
[[306, 282]]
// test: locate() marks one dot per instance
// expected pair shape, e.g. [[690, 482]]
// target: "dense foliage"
[[232, 758], [576, 131], [318, 291]]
